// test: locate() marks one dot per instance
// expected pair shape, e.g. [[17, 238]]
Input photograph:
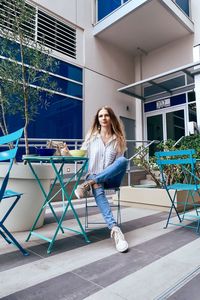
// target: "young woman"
[[105, 145]]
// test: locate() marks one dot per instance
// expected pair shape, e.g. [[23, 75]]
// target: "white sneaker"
[[120, 242]]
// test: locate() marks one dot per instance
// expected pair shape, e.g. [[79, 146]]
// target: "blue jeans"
[[109, 178]]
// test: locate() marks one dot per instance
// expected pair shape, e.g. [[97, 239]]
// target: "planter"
[[22, 180], [152, 197]]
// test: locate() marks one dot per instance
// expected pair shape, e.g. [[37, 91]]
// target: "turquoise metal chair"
[[178, 173], [9, 155]]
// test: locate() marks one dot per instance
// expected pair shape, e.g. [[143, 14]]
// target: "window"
[[192, 110], [184, 5], [105, 7], [62, 112]]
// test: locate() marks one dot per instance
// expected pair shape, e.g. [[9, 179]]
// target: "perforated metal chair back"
[[178, 173], [11, 141]]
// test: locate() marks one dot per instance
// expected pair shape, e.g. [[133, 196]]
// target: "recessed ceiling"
[[149, 26]]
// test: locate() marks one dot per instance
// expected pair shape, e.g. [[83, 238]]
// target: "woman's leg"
[[103, 204], [113, 174]]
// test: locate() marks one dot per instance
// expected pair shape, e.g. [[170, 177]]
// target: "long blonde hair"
[[116, 128]]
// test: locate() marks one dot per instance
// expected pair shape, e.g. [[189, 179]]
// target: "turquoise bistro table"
[[58, 163]]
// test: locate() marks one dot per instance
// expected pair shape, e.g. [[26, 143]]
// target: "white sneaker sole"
[[123, 249], [77, 194]]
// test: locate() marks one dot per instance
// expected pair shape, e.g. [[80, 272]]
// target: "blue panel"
[[62, 119], [175, 100], [67, 70], [68, 87], [105, 7], [184, 5], [150, 106], [179, 99], [13, 48], [61, 67]]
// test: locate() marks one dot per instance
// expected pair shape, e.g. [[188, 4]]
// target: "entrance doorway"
[[164, 125], [129, 127]]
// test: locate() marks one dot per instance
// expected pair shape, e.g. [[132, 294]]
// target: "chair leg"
[[6, 233], [5, 237], [172, 207], [86, 213], [118, 216], [118, 208], [14, 241]]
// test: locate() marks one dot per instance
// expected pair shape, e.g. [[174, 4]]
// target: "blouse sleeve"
[[86, 144]]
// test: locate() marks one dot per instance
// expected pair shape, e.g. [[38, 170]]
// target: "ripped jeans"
[[109, 178]]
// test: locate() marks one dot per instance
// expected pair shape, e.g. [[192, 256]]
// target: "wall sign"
[[162, 103]]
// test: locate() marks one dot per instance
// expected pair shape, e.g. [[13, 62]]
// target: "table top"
[[59, 159]]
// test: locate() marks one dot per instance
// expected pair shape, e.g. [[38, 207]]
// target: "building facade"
[[139, 56]]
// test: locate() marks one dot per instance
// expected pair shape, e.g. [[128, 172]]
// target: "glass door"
[[175, 124], [165, 125], [154, 130]]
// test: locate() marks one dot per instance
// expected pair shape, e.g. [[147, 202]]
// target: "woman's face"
[[104, 118]]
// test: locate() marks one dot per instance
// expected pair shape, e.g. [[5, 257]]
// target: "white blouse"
[[100, 155]]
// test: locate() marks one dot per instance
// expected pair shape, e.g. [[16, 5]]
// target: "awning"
[[164, 85]]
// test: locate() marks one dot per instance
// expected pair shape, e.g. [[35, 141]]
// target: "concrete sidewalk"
[[160, 264]]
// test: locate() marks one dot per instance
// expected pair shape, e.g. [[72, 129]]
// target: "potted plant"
[[157, 197], [25, 72]]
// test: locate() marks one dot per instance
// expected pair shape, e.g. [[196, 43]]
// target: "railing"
[[36, 142], [149, 143], [179, 140], [76, 144]]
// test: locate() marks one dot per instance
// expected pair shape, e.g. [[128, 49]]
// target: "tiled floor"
[[160, 264]]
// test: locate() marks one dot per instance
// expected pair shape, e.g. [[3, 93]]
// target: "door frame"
[[163, 112]]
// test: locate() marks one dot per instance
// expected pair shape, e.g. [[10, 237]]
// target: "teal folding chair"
[[9, 155], [178, 173]]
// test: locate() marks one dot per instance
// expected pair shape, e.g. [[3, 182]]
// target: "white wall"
[[171, 56], [195, 10], [100, 91], [63, 8]]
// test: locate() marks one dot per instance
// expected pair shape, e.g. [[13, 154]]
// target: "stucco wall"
[[171, 56], [195, 13], [63, 8], [100, 91]]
